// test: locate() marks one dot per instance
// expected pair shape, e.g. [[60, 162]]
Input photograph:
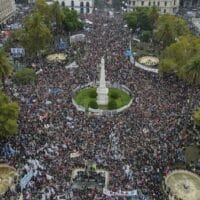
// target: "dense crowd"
[[138, 146]]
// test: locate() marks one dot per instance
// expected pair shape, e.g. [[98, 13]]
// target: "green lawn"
[[83, 97]]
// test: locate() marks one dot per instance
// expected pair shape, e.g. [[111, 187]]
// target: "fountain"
[[8, 178], [183, 185], [149, 61]]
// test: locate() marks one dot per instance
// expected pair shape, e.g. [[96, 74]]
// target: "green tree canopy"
[[169, 28], [43, 8], [24, 76], [143, 18], [8, 116], [131, 20], [191, 70], [71, 21], [5, 67], [57, 15], [182, 58], [36, 35]]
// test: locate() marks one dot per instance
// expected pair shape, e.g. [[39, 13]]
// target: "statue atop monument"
[[102, 90]]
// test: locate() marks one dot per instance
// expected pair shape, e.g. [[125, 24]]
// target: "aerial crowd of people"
[[138, 146]]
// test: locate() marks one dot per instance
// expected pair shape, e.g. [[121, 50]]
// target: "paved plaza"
[[137, 146]]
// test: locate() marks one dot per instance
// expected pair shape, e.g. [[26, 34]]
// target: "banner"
[[133, 193], [55, 91], [76, 38], [7, 150], [17, 52], [128, 52], [75, 155], [61, 45]]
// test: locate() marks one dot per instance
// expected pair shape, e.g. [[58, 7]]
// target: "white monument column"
[[102, 90]]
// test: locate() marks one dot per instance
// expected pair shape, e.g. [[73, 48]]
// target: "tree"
[[8, 116], [146, 36], [169, 28], [191, 71], [57, 15], [5, 67], [13, 40], [131, 21], [143, 18], [153, 15], [182, 57], [24, 76], [167, 65], [166, 35], [71, 21], [44, 9], [36, 36]]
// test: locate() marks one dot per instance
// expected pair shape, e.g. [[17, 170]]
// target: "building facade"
[[165, 6], [81, 6], [190, 3], [7, 10]]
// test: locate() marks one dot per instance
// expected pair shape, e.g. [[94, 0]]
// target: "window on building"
[[158, 3], [87, 7], [72, 5], [63, 4], [165, 3], [133, 3], [164, 11], [81, 7], [174, 2], [154, 3], [149, 3], [142, 3]]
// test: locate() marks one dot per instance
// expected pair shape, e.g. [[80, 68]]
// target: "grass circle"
[[85, 96]]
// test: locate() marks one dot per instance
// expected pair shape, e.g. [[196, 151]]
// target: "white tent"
[[76, 38], [88, 22]]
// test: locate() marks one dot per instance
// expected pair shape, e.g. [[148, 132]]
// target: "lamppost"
[[126, 5]]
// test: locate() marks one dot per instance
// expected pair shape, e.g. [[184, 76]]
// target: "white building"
[[7, 10], [81, 6], [165, 6]]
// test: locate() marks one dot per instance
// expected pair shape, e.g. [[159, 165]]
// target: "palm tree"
[[57, 15], [166, 35], [5, 67], [191, 71]]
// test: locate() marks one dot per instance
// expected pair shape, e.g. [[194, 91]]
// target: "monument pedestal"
[[102, 96], [102, 90]]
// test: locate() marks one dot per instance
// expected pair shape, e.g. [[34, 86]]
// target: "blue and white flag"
[[26, 179]]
